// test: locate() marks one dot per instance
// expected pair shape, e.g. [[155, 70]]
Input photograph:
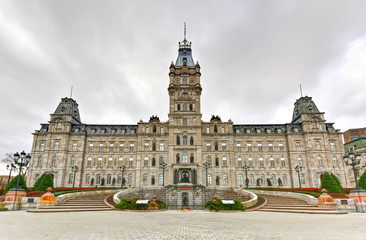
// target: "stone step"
[[298, 208], [281, 205], [68, 210], [302, 211], [77, 204], [74, 207]]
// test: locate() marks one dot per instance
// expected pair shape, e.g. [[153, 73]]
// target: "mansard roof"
[[303, 105], [68, 106], [184, 54]]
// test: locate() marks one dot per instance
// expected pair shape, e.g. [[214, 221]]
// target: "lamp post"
[[206, 165], [163, 165], [353, 160], [122, 169], [246, 168], [74, 169], [22, 160], [12, 167], [298, 169]]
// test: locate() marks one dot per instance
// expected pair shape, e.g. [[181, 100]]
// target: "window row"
[[184, 140], [185, 107], [154, 129]]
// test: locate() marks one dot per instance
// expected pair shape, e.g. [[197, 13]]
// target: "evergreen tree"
[[13, 184], [362, 181], [330, 184], [337, 182], [44, 182]]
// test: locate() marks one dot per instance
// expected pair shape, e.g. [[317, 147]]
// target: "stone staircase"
[[90, 203], [293, 205]]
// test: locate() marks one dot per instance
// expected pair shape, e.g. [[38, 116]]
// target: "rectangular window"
[[110, 162], [208, 145], [298, 146], [250, 162], [91, 145], [147, 130], [161, 130], [89, 162], [240, 162], [224, 161], [53, 163], [270, 147], [185, 140], [317, 145], [302, 178], [261, 162], [146, 144], [121, 146], [41, 146], [98, 178], [87, 178], [72, 161], [161, 146], [320, 161], [100, 147], [260, 147], [146, 161], [74, 146], [280, 145], [300, 161], [222, 129], [55, 145], [249, 145], [335, 161], [272, 162], [185, 121], [223, 145], [99, 164], [130, 162], [238, 147], [111, 145], [207, 129], [132, 147], [120, 161], [283, 162], [332, 146]]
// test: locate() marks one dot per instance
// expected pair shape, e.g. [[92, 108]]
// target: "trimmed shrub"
[[44, 182], [337, 181], [130, 204], [219, 206], [362, 181], [330, 184], [13, 184]]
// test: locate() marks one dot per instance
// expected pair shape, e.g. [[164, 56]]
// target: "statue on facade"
[[279, 182], [258, 181], [269, 182]]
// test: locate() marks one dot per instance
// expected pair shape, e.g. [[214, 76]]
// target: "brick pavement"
[[180, 225]]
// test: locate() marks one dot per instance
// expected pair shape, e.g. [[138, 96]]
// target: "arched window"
[[240, 162], [284, 179], [184, 107], [109, 179], [39, 161], [154, 146], [216, 146], [130, 179], [191, 107], [240, 179], [209, 178], [53, 163], [215, 129], [273, 179], [178, 107], [320, 161], [224, 161], [251, 179], [209, 160], [225, 179], [153, 162], [185, 157], [184, 80], [178, 140], [335, 161], [161, 177], [145, 179]]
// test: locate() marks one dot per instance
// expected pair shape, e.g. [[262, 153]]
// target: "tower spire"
[[185, 31], [300, 90]]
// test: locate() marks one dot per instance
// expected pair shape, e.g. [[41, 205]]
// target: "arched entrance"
[[185, 199]]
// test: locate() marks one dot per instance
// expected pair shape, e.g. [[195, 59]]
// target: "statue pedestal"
[[326, 199], [359, 196], [13, 198], [48, 199]]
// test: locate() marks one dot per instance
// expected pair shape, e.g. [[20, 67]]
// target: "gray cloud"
[[253, 56]]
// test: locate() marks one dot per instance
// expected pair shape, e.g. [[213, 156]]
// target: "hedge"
[[219, 206]]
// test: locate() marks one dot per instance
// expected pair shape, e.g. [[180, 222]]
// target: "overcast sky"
[[116, 54]]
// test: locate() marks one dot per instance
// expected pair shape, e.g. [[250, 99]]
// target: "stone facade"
[[185, 142]]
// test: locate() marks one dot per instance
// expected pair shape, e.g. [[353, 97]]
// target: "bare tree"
[[10, 161]]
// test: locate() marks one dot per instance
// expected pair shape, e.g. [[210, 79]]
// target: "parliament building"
[[185, 148]]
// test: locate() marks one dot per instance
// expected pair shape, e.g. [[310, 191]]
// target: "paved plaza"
[[180, 225]]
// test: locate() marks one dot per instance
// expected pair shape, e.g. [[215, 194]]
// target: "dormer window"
[[184, 80], [58, 125]]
